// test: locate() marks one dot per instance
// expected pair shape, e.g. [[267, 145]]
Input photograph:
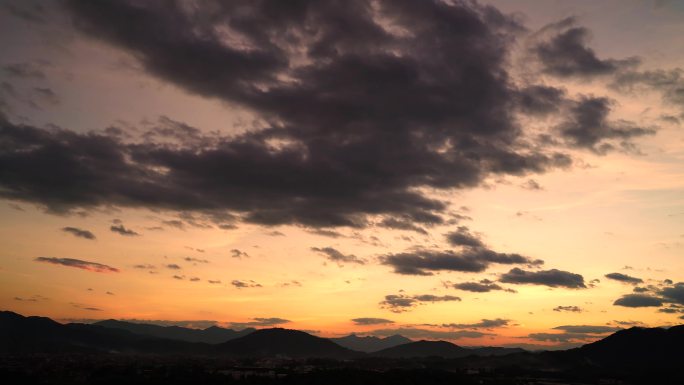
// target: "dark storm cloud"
[[336, 256], [670, 310], [402, 224], [79, 264], [638, 300], [79, 232], [540, 100], [399, 303], [123, 231], [435, 298], [470, 259], [574, 309], [259, 322], [326, 233], [477, 287], [29, 10], [371, 321], [552, 278], [24, 70], [483, 286], [587, 126], [173, 266], [562, 50], [365, 106], [174, 223], [424, 262], [484, 324], [41, 96], [624, 278], [669, 119], [670, 84], [463, 237], [674, 294]]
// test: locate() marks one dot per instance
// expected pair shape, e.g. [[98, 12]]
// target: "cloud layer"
[[356, 118]]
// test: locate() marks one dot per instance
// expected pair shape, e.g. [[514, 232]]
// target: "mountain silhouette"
[[369, 344], [19, 334], [626, 351], [442, 349], [487, 351], [424, 349], [284, 342], [210, 335], [643, 347]]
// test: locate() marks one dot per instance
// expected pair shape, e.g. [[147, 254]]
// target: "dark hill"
[[211, 335], [487, 351], [370, 344], [19, 334], [425, 349], [653, 347], [284, 342]]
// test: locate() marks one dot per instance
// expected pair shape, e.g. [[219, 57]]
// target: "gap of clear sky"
[[490, 173]]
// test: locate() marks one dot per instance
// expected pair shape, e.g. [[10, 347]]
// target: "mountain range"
[[210, 335], [444, 349], [369, 344], [650, 347], [19, 334]]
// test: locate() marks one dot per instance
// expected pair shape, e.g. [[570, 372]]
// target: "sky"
[[490, 173]]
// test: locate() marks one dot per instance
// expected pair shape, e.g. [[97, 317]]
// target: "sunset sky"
[[501, 172]]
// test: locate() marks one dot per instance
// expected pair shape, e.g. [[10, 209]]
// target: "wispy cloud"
[[123, 230], [79, 232], [79, 264]]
